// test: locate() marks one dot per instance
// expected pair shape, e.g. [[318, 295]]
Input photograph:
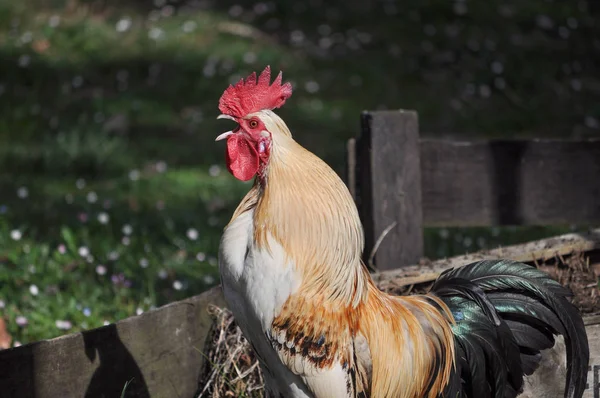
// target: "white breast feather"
[[256, 284]]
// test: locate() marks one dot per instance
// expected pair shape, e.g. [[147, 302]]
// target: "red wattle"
[[241, 157]]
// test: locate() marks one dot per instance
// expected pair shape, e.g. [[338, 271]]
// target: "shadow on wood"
[[117, 367], [161, 350]]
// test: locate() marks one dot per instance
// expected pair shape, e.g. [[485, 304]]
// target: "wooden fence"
[[403, 183], [396, 178]]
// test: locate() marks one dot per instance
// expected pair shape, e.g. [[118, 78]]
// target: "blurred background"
[[113, 194]]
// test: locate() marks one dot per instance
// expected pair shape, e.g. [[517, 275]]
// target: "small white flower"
[[113, 256], [139, 311], [77, 81], [80, 183], [123, 25], [188, 26], [54, 21], [125, 241], [84, 251], [24, 60], [127, 229], [311, 87], [208, 279], [105, 323], [161, 166], [92, 197], [26, 37], [250, 57], [63, 325], [155, 33], [162, 274], [134, 175], [192, 234], [87, 312], [214, 170], [15, 234], [21, 321], [177, 285], [144, 263], [17, 344], [34, 290], [200, 256], [444, 233], [2, 304], [103, 218], [23, 192], [101, 269]]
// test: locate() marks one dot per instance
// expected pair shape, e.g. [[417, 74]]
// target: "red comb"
[[254, 95]]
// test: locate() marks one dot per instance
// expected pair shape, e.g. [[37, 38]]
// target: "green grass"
[[109, 249], [113, 193]]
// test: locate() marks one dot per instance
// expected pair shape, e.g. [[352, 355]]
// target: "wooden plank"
[[160, 351], [593, 385], [549, 379], [390, 187], [351, 166], [530, 252], [521, 182]]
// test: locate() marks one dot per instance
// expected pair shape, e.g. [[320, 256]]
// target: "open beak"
[[227, 133], [224, 135]]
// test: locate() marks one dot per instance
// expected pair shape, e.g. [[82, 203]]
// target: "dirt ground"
[[580, 273]]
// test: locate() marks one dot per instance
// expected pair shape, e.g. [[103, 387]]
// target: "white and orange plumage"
[[291, 271]]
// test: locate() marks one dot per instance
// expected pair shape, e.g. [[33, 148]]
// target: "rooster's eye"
[[253, 124]]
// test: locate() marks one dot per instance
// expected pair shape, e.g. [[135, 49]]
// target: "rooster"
[[291, 272]]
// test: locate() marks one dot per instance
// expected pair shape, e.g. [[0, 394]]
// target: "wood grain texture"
[[390, 187], [593, 385], [548, 381], [528, 182], [351, 166], [530, 252], [159, 351]]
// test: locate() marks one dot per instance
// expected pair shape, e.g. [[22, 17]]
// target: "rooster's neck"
[[303, 204]]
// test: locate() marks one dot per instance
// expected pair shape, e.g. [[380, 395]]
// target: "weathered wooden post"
[[384, 174]]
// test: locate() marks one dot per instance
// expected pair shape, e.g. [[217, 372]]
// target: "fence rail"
[[397, 177]]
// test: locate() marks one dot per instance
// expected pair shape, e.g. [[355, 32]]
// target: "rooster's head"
[[249, 103]]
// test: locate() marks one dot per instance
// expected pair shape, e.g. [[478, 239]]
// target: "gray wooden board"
[[593, 332], [520, 182], [389, 186], [533, 251], [517, 182], [160, 351]]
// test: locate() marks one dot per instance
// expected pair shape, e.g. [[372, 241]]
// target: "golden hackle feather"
[[299, 185], [302, 204]]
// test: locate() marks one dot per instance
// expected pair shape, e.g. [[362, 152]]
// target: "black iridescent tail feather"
[[507, 312]]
